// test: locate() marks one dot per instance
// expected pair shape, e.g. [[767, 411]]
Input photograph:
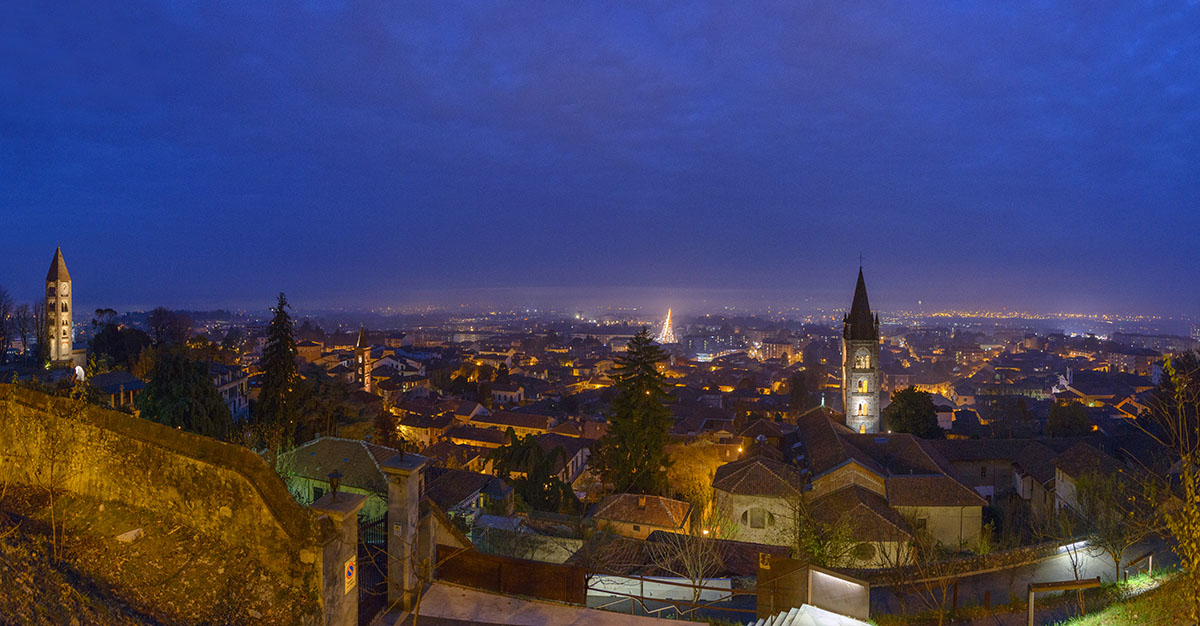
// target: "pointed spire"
[[362, 338], [860, 324], [58, 268]]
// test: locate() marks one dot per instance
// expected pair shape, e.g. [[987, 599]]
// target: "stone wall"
[[220, 490]]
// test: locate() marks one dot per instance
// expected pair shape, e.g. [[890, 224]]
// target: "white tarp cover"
[[808, 615]]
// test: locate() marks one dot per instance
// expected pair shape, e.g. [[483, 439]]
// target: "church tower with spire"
[[60, 333], [860, 363], [362, 361]]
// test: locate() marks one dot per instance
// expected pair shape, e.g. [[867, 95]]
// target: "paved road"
[[972, 590]]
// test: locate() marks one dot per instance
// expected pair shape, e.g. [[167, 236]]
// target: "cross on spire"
[[860, 260]]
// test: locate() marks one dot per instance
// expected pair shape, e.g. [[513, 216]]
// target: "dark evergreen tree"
[[798, 398], [276, 410], [538, 484], [181, 394], [632, 456], [1068, 420], [912, 411], [121, 346]]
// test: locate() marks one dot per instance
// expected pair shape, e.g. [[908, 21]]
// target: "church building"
[[860, 363], [60, 330]]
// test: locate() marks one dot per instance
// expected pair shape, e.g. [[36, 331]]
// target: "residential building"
[[638, 515]]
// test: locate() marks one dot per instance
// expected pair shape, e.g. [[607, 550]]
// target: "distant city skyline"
[[1039, 158]]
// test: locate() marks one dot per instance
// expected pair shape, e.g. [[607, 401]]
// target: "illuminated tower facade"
[[667, 335], [59, 331], [362, 361], [860, 363]]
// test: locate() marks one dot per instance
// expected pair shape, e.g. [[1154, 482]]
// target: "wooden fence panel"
[[506, 575]]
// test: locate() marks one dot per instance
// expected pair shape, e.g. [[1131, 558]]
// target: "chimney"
[[641, 502]]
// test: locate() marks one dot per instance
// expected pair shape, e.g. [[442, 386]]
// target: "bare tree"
[[6, 323], [1116, 514], [23, 325], [692, 558], [1064, 528], [41, 327], [933, 572], [824, 538]]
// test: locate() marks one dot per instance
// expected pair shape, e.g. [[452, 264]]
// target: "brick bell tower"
[[60, 334], [860, 363]]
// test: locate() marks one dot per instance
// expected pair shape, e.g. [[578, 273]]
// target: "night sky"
[[978, 154]]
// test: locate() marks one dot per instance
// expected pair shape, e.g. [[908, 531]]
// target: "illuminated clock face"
[[64, 288]]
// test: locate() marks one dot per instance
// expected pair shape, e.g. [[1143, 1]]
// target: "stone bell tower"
[[60, 333], [362, 361], [860, 363]]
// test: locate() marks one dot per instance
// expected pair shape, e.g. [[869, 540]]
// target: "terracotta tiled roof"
[[358, 461], [444, 451], [930, 490], [116, 381], [504, 419], [1082, 458], [657, 510], [759, 476], [625, 556], [763, 427], [449, 488], [867, 512], [471, 433], [900, 453], [980, 449], [1036, 460], [826, 447]]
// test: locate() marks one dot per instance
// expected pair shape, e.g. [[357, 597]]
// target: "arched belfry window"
[[862, 408], [862, 385], [862, 359]]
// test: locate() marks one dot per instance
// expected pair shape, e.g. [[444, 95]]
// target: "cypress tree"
[[276, 408], [632, 455]]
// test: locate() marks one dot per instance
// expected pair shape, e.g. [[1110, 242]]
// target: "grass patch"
[[1144, 603], [1108, 605]]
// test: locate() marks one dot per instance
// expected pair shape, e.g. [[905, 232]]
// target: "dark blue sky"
[[977, 153]]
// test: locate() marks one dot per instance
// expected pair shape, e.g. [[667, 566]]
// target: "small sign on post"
[[350, 575]]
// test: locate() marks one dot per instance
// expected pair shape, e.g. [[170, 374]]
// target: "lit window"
[[862, 385], [862, 359], [862, 409]]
